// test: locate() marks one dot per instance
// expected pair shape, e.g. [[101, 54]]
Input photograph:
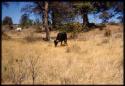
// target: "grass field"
[[89, 59]]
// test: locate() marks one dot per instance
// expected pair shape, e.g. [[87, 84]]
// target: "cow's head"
[[55, 42]]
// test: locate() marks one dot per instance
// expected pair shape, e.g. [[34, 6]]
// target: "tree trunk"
[[53, 20], [46, 21], [85, 19]]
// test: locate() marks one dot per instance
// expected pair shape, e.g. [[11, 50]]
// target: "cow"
[[62, 36], [18, 29]]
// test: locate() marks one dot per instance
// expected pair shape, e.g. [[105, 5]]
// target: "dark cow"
[[60, 38]]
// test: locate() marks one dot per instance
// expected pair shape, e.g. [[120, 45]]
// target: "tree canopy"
[[25, 21], [7, 20]]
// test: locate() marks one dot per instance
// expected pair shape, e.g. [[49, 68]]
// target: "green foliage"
[[64, 12], [71, 27], [104, 16], [101, 25], [25, 21], [37, 21], [81, 7], [96, 7], [61, 13], [30, 22]]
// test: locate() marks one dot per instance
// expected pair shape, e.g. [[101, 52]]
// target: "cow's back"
[[61, 36]]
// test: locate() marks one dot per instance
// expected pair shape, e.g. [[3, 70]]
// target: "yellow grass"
[[90, 61]]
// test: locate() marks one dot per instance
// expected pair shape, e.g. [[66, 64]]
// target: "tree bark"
[[85, 19], [53, 20], [46, 21]]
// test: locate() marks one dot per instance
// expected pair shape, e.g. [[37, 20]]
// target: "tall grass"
[[98, 60]]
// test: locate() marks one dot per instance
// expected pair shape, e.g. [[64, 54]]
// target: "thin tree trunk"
[[85, 19], [53, 20], [46, 21]]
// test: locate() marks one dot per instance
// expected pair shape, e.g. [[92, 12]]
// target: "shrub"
[[33, 67], [101, 25], [107, 33], [113, 23], [17, 71], [71, 27]]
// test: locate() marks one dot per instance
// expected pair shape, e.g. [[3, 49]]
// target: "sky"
[[14, 11]]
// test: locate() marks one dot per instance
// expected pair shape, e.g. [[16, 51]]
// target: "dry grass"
[[98, 60], [5, 36]]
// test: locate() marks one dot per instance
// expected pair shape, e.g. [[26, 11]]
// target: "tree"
[[46, 21], [104, 16], [30, 22], [33, 67], [61, 12], [24, 20], [120, 18], [41, 9], [7, 21], [37, 21], [85, 8]]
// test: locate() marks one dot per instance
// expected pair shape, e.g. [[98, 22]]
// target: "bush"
[[107, 33], [113, 23], [101, 25], [70, 27], [58, 27], [17, 74]]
